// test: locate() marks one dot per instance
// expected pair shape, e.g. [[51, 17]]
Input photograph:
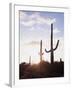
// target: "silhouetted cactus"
[[52, 49], [30, 60], [60, 59]]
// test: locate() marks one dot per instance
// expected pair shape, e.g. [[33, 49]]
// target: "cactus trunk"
[[41, 50], [41, 53]]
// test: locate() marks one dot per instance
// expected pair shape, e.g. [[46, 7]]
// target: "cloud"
[[33, 43], [28, 20], [56, 30], [28, 23], [47, 21]]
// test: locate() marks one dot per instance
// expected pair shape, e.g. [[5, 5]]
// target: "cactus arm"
[[56, 45], [54, 48], [47, 51]]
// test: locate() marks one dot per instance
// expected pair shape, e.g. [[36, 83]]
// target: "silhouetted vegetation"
[[43, 69], [51, 51]]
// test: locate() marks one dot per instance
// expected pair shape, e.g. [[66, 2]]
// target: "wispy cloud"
[[34, 19], [29, 23], [56, 30], [33, 43]]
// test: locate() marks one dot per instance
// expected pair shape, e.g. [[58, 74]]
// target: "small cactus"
[[41, 53], [30, 60]]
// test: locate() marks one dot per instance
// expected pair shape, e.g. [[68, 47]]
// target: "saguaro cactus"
[[52, 49], [41, 53]]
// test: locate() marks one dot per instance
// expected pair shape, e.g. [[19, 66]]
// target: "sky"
[[36, 26]]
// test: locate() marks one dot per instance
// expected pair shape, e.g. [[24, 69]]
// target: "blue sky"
[[58, 24], [36, 26]]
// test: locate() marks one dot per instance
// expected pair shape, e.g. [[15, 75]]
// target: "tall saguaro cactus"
[[52, 49]]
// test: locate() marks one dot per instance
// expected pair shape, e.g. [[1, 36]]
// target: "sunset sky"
[[36, 26]]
